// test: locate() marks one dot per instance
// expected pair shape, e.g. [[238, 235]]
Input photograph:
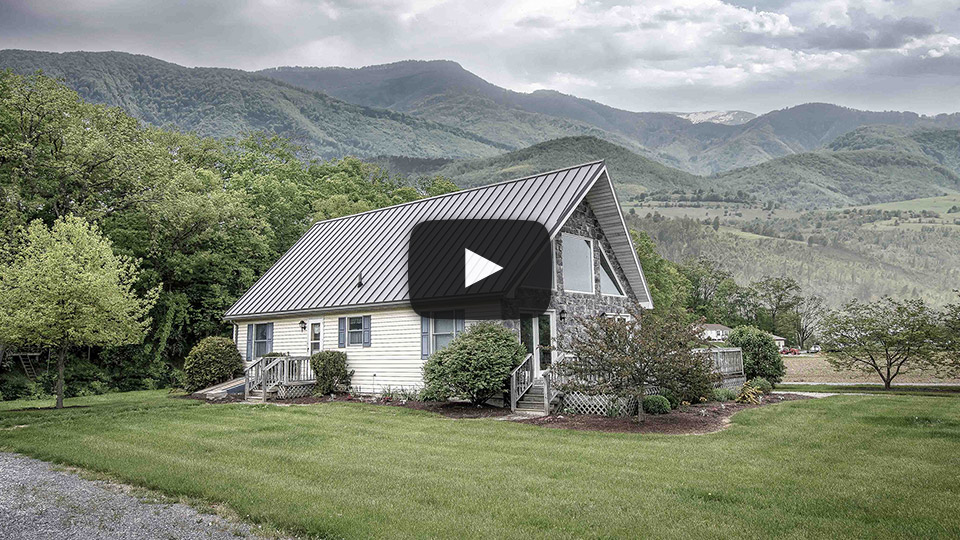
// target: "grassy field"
[[815, 368], [847, 466], [912, 390]]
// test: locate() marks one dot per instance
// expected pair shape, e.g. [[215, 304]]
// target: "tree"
[[808, 313], [888, 337], [626, 356], [761, 357], [668, 286], [65, 288], [475, 365], [777, 295]]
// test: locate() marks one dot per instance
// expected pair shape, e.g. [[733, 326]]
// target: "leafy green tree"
[[761, 357], [668, 286], [627, 356], [777, 295], [475, 365], [65, 288], [888, 337]]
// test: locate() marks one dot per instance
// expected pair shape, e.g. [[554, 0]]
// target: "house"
[[780, 341], [715, 332], [343, 285]]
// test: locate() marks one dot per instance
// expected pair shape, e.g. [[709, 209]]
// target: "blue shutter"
[[366, 330], [342, 332], [424, 337], [269, 337], [249, 342], [458, 322]]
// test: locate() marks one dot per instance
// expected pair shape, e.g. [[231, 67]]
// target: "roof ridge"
[[502, 182]]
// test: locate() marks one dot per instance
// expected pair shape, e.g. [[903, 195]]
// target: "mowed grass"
[[846, 466], [901, 390]]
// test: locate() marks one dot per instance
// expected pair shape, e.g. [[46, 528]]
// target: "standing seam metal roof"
[[321, 270]]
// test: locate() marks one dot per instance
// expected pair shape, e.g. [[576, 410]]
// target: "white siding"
[[393, 355]]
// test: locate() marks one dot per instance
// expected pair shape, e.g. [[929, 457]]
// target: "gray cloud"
[[651, 55]]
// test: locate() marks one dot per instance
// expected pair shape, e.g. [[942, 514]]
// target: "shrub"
[[688, 378], [475, 365], [761, 384], [749, 394], [671, 397], [656, 405], [724, 394], [213, 360], [330, 368], [761, 357]]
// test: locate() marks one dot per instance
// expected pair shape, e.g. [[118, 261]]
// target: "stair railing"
[[521, 379]]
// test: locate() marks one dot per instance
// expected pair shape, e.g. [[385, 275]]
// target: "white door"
[[314, 336], [537, 334]]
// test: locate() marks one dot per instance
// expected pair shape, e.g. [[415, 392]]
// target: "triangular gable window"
[[608, 280]]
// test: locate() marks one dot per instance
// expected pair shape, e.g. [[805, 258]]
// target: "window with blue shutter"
[[342, 332], [366, 330], [424, 337], [262, 336], [249, 342]]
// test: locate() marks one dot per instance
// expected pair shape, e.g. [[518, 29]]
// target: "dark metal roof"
[[321, 270]]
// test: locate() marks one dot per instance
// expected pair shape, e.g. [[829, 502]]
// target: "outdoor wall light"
[[563, 315], [303, 326]]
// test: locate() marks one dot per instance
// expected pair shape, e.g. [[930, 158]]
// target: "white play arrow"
[[477, 267]]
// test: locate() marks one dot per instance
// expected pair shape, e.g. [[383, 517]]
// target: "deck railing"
[[521, 379], [726, 361], [270, 372]]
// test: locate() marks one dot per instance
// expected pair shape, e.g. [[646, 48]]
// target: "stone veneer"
[[583, 222]]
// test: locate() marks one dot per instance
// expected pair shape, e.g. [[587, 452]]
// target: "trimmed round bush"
[[761, 356], [214, 360], [656, 405], [330, 368], [761, 384], [671, 397], [476, 365]]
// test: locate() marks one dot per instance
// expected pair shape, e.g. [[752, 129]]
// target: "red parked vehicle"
[[789, 350]]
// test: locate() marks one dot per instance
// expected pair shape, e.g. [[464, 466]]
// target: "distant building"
[[715, 332], [781, 342]]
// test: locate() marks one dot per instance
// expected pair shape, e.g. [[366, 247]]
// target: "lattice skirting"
[[295, 391], [601, 405]]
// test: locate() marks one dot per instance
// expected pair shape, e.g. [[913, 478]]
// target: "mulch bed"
[[694, 420]]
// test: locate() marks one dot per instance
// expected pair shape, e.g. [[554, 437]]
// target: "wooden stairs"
[[532, 400]]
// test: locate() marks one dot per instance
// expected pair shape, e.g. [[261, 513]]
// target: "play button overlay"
[[487, 268], [477, 268]]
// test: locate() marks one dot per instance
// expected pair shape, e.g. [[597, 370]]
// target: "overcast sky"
[[653, 55]]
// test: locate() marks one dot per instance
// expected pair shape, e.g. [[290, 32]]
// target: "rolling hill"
[[226, 102], [939, 145], [810, 180], [632, 173]]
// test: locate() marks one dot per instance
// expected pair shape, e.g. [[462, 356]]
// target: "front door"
[[536, 334]]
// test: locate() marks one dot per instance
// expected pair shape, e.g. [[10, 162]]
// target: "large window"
[[608, 279], [355, 331], [262, 339], [577, 263], [444, 328]]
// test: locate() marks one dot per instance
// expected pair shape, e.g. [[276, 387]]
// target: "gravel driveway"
[[37, 501]]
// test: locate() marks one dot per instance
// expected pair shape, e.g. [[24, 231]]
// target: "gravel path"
[[37, 501]]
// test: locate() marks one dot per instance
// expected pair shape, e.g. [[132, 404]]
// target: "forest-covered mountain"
[[227, 102], [438, 90], [939, 145]]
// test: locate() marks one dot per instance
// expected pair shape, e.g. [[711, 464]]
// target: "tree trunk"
[[60, 361], [886, 384]]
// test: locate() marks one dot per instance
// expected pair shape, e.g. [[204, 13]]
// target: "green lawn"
[[902, 390], [852, 466]]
